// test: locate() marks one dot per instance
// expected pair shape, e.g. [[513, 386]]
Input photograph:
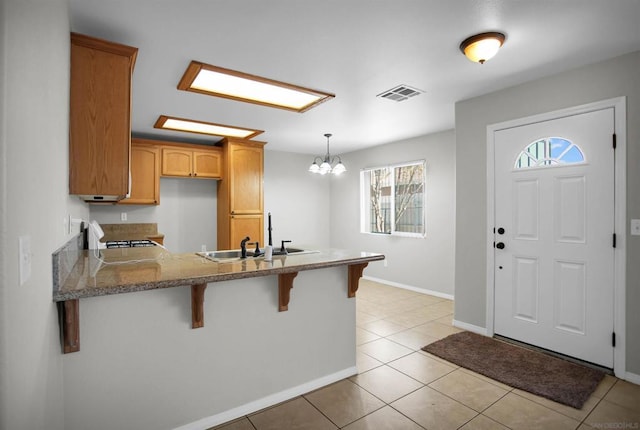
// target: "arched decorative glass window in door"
[[550, 151]]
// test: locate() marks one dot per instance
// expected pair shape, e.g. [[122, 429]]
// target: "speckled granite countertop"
[[126, 270]]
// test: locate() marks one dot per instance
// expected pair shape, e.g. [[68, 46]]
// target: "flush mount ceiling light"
[[482, 47], [200, 127], [231, 84], [328, 163]]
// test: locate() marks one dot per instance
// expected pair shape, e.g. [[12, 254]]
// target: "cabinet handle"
[[189, 173], [232, 212], [195, 174]]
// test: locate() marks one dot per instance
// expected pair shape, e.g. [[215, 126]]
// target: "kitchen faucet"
[[257, 252], [283, 249], [243, 246]]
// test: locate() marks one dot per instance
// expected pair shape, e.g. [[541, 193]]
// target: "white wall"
[[299, 201], [421, 263], [605, 80], [141, 365], [187, 214], [34, 200]]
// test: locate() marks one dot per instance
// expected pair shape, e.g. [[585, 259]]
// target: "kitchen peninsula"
[[125, 270], [247, 356]]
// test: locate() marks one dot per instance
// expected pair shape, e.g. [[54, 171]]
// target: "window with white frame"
[[392, 199]]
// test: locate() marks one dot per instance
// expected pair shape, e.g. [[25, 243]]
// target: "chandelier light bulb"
[[339, 169], [314, 168]]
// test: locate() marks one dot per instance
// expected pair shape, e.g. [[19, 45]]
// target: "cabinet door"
[[176, 162], [99, 117], [242, 226], [246, 175], [145, 176], [207, 164]]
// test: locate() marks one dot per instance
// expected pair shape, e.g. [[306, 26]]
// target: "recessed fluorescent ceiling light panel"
[[234, 85], [180, 124]]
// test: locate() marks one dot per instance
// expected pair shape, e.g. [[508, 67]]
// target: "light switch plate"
[[25, 258], [635, 227]]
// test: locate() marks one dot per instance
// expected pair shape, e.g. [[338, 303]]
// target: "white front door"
[[554, 255]]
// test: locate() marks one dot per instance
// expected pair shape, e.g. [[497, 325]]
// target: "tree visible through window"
[[392, 199]]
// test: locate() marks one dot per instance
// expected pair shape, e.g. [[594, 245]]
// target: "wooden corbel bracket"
[[355, 273], [69, 316], [197, 305], [285, 284]]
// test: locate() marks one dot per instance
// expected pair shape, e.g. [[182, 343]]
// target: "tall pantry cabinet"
[[240, 193], [100, 118]]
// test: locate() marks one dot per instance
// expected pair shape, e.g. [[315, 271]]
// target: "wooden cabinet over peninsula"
[[240, 193], [100, 118], [192, 161], [145, 173]]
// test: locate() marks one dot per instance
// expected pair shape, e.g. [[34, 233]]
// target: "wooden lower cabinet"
[[145, 174], [242, 226]]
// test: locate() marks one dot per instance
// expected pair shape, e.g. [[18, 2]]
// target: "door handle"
[[501, 230], [500, 245]]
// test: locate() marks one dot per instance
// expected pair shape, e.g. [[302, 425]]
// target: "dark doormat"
[[554, 378]]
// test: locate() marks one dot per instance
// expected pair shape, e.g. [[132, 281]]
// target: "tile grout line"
[[304, 396], [580, 422], [599, 401], [389, 403], [409, 418]]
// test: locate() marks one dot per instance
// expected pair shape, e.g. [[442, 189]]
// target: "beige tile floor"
[[401, 387]]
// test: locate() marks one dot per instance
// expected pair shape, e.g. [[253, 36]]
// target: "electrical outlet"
[[635, 227], [25, 258], [385, 262], [203, 248], [123, 216]]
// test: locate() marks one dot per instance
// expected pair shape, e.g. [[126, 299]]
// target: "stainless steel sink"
[[236, 254], [221, 255], [225, 254]]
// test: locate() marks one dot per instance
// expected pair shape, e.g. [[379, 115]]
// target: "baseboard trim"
[[411, 288], [632, 377], [470, 327], [270, 400]]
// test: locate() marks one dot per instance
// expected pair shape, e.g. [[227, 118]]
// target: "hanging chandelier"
[[328, 163]]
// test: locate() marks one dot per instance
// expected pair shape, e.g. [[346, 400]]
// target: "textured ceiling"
[[355, 49]]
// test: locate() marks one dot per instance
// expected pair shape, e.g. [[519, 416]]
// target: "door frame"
[[620, 214]]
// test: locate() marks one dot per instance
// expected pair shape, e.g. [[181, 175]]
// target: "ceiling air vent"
[[400, 93]]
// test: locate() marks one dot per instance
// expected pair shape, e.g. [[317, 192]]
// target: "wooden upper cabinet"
[[240, 193], [145, 174], [207, 164], [246, 172], [100, 118], [198, 163], [176, 162]]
